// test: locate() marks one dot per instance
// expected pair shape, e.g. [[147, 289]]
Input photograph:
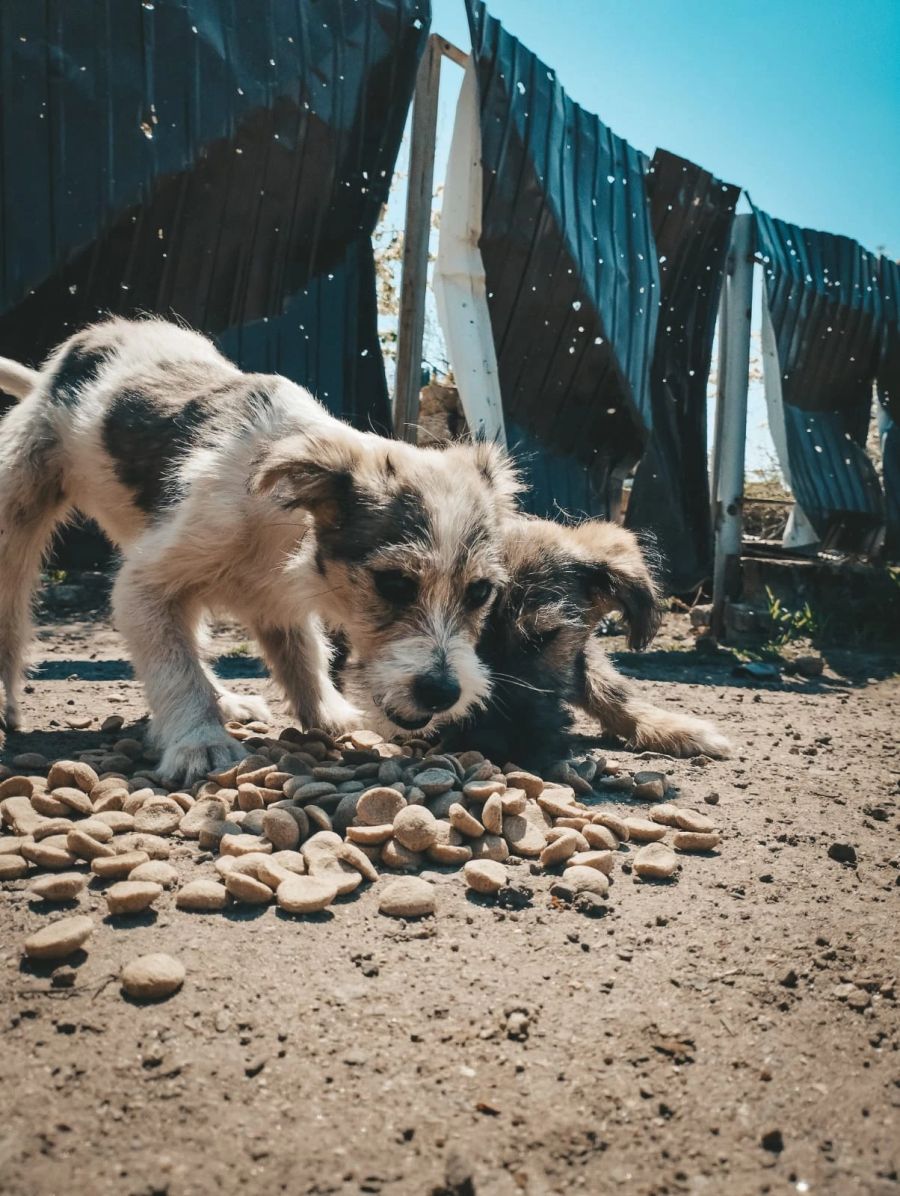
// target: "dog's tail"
[[17, 380]]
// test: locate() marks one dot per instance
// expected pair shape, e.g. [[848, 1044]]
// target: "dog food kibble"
[[492, 813], [378, 806], [247, 888], [655, 861], [410, 897], [202, 895], [526, 833], [696, 840], [435, 781], [558, 851], [485, 876], [665, 814], [693, 820], [13, 867], [281, 830], [117, 867], [59, 939], [467, 824], [586, 880], [642, 830], [600, 837], [305, 894], [131, 896], [157, 871], [62, 886], [414, 828], [153, 977], [649, 786], [309, 818]]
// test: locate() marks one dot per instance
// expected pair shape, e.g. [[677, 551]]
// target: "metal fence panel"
[[825, 305], [692, 214], [571, 274], [224, 161]]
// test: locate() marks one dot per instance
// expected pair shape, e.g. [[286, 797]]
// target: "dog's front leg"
[[298, 658], [160, 629], [611, 699]]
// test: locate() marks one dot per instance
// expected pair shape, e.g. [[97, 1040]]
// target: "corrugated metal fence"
[[572, 278]]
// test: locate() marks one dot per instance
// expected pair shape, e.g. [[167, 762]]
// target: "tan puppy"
[[240, 494]]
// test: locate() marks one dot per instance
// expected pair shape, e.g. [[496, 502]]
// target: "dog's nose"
[[436, 691]]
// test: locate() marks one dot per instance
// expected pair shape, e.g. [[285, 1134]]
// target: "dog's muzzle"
[[431, 692]]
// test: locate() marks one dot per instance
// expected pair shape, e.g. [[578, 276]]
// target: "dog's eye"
[[539, 640], [396, 587], [477, 593]]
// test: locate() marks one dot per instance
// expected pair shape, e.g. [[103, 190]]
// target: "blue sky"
[[797, 101]]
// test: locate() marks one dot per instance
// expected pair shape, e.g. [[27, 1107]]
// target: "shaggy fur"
[[544, 657], [240, 494]]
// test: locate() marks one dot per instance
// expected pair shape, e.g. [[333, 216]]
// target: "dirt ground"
[[735, 1031]]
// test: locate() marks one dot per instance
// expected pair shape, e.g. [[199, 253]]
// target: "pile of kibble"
[[306, 818]]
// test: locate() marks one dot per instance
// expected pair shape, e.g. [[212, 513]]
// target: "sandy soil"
[[735, 1031]]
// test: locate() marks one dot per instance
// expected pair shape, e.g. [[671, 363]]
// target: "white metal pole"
[[731, 418]]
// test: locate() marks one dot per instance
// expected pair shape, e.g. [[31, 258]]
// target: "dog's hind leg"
[[616, 704], [160, 626], [299, 658], [32, 502]]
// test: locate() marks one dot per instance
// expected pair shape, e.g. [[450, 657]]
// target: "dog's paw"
[[696, 737], [190, 757], [244, 708], [707, 741], [336, 715]]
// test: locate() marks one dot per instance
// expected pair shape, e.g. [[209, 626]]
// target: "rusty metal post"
[[731, 415], [411, 326]]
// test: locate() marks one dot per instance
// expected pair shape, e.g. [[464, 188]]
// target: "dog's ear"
[[317, 475], [615, 574], [493, 463]]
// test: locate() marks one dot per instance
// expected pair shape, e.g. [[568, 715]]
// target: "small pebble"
[[153, 977]]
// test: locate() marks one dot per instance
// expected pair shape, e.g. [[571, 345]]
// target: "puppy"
[[240, 494], [544, 657]]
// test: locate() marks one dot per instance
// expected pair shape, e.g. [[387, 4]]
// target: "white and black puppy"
[[240, 494]]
